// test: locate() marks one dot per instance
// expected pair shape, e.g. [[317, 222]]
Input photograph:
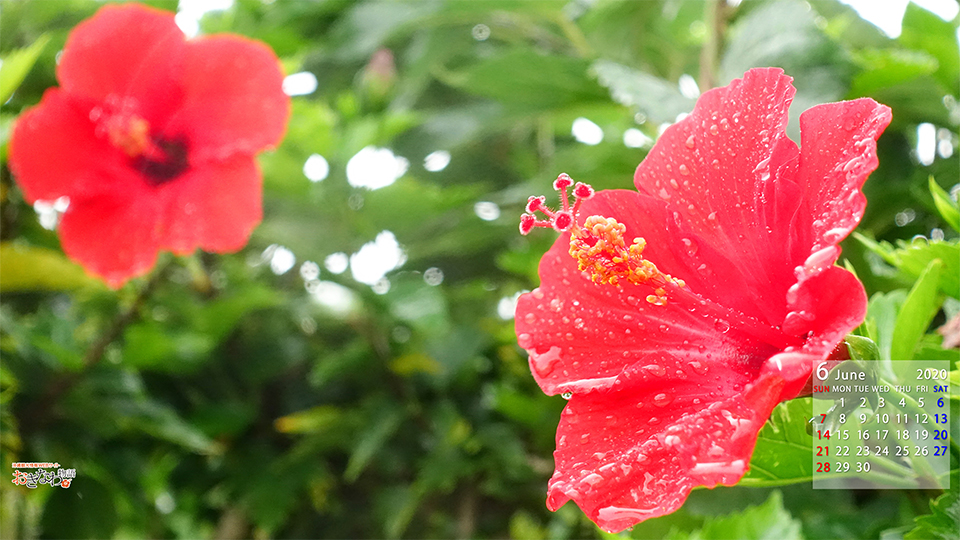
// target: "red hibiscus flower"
[[152, 138], [676, 317]]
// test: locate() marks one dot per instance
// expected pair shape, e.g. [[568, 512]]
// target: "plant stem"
[[714, 15]]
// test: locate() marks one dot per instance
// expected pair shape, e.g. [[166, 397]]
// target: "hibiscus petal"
[[124, 52], [624, 457], [54, 152], [113, 233], [826, 306], [233, 98], [214, 207], [724, 172], [838, 152], [581, 335]]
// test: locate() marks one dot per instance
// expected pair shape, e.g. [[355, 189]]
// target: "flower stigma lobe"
[[598, 245]]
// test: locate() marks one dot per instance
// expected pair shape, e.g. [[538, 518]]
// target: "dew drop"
[[698, 367], [690, 246], [714, 130], [525, 340], [569, 336], [655, 369], [691, 142], [716, 164], [664, 328], [585, 438], [674, 184], [566, 395], [662, 400], [653, 421], [663, 194], [684, 170], [722, 326], [712, 216], [632, 300], [529, 318], [724, 124]]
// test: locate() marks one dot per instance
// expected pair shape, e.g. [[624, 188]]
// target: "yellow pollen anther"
[[130, 133], [600, 250]]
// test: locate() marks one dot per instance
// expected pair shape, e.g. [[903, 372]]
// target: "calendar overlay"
[[881, 425]]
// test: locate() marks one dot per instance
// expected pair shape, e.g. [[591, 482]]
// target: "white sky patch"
[[375, 168], [634, 138], [333, 296], [586, 131], [689, 87], [433, 276], [926, 143], [189, 13], [375, 259], [281, 259], [310, 271], [49, 212], [945, 144], [436, 161], [300, 84], [486, 210], [336, 263], [316, 168], [508, 305], [887, 15]]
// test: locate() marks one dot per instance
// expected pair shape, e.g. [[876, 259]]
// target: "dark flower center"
[[165, 163], [158, 159]]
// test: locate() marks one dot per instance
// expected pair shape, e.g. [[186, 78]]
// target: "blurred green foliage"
[[236, 396]]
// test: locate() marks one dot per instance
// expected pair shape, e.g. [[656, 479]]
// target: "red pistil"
[[563, 219]]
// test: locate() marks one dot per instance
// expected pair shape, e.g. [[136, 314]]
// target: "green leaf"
[[660, 100], [945, 205], [782, 453], [943, 521], [925, 31], [31, 268], [17, 64], [916, 313], [862, 348], [883, 68], [768, 521], [913, 257], [530, 80], [371, 440]]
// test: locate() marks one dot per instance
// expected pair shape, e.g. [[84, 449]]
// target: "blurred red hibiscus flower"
[[674, 348], [152, 138]]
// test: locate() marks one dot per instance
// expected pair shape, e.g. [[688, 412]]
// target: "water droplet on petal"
[[722, 326], [714, 130], [691, 142], [662, 400], [684, 170], [691, 246], [664, 328], [566, 395], [530, 318], [698, 367]]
